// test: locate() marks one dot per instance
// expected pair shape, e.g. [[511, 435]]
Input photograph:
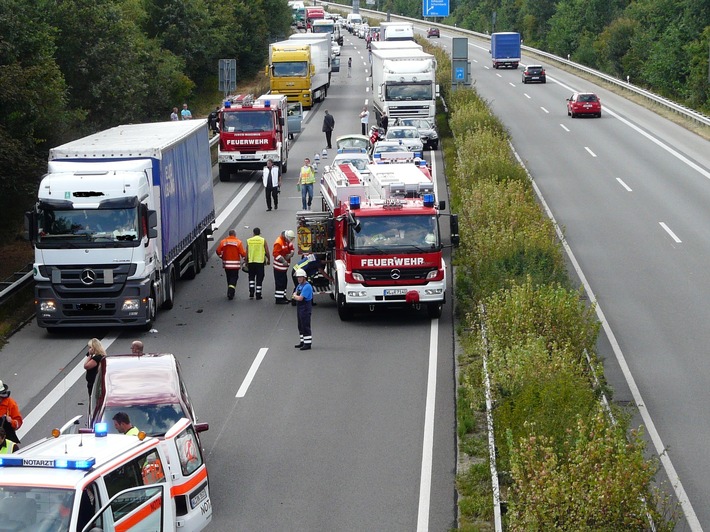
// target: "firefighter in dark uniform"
[[303, 295], [314, 266]]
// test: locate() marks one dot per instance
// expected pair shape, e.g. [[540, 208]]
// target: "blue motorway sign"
[[460, 74], [435, 8]]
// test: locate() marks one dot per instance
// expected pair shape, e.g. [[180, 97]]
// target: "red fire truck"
[[251, 132], [380, 238]]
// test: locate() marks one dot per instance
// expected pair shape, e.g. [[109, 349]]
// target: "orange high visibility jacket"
[[283, 251], [231, 251], [9, 408]]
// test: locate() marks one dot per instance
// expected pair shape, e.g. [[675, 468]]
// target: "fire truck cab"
[[251, 131], [384, 241], [107, 482]]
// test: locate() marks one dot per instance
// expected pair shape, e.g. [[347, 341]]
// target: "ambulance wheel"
[[152, 312], [170, 290], [344, 311], [433, 310]]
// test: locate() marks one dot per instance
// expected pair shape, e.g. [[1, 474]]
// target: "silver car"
[[407, 136], [427, 130]]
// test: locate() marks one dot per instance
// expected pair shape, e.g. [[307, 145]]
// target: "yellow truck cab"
[[107, 482]]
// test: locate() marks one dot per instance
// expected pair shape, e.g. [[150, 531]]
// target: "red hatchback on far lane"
[[584, 103]]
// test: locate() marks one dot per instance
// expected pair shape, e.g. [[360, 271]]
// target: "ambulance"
[[107, 482]]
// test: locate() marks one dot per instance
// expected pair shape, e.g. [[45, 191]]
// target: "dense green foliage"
[[662, 45], [73, 67]]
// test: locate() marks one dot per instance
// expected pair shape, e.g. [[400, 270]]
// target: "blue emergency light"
[[227, 104], [428, 200], [100, 429], [58, 463], [267, 103], [354, 202]]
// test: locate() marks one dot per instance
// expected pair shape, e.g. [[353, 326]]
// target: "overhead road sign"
[[435, 8]]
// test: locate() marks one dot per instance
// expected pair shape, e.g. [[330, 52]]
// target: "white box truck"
[[396, 31], [404, 84]]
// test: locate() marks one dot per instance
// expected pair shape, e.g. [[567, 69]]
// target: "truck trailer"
[[404, 84], [121, 215], [300, 69], [505, 49]]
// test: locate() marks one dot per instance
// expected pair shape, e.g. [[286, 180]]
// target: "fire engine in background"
[[251, 132], [380, 238], [110, 482]]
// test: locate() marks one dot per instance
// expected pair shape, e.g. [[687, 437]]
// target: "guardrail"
[[15, 283], [670, 105]]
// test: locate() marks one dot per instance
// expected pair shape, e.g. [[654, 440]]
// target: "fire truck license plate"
[[396, 292]]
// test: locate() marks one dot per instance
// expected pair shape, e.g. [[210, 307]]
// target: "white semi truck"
[[404, 84]]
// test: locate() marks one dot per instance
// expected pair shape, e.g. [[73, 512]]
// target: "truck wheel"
[[203, 251], [433, 310], [344, 311], [152, 312], [284, 166], [224, 172], [170, 290]]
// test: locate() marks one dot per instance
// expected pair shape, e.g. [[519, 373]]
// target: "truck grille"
[[90, 281], [410, 275], [415, 111]]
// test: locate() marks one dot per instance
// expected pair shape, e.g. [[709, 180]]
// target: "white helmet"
[[288, 233], [300, 273]]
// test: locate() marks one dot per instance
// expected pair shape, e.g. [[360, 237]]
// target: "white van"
[[353, 19], [110, 482]]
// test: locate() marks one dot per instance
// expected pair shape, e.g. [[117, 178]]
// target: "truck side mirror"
[[379, 91], [436, 90], [442, 205], [266, 70], [454, 229], [152, 224], [313, 69], [30, 226], [281, 121]]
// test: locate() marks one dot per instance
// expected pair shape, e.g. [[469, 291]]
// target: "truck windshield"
[[247, 121], [396, 233], [323, 28], [289, 69], [87, 225], [408, 91], [35, 508]]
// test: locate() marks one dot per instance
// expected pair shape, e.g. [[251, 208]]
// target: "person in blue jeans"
[[303, 295], [305, 182]]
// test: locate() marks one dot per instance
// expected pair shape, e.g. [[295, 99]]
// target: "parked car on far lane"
[[584, 103]]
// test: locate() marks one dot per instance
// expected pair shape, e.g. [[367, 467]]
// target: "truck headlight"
[[131, 304], [358, 277], [47, 306]]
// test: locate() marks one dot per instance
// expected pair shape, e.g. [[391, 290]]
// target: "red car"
[[584, 103], [433, 32]]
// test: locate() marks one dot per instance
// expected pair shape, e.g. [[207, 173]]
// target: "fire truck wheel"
[[224, 172], [433, 310], [344, 311]]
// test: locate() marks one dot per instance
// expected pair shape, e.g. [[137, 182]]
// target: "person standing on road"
[[384, 121], [95, 355], [364, 119], [350, 66], [283, 251], [10, 416], [231, 251], [303, 295], [272, 184], [306, 179], [328, 126], [258, 253], [6, 446]]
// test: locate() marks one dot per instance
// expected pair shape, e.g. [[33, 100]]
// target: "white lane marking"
[[499, 75], [53, 397], [564, 127], [428, 448], [627, 187], [660, 447], [668, 230], [546, 111], [252, 371], [486, 67], [527, 95], [590, 152], [511, 84]]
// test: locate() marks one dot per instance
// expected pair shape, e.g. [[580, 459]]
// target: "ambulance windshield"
[[23, 508]]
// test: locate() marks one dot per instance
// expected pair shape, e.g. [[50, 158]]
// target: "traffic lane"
[[331, 437]]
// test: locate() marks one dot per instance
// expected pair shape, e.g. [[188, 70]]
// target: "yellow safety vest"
[[8, 447], [256, 249], [308, 176], [133, 431]]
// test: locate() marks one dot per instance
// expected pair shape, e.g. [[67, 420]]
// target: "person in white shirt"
[[272, 184], [364, 119]]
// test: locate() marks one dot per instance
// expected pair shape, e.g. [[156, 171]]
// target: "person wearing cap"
[[258, 255], [272, 184], [123, 424], [303, 295], [93, 358], [231, 251], [282, 252], [9, 413]]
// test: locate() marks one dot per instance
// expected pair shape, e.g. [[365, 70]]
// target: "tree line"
[[73, 67], [661, 45]]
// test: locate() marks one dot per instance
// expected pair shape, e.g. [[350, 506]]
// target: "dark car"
[[432, 32], [149, 388], [584, 103], [534, 73], [427, 130]]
